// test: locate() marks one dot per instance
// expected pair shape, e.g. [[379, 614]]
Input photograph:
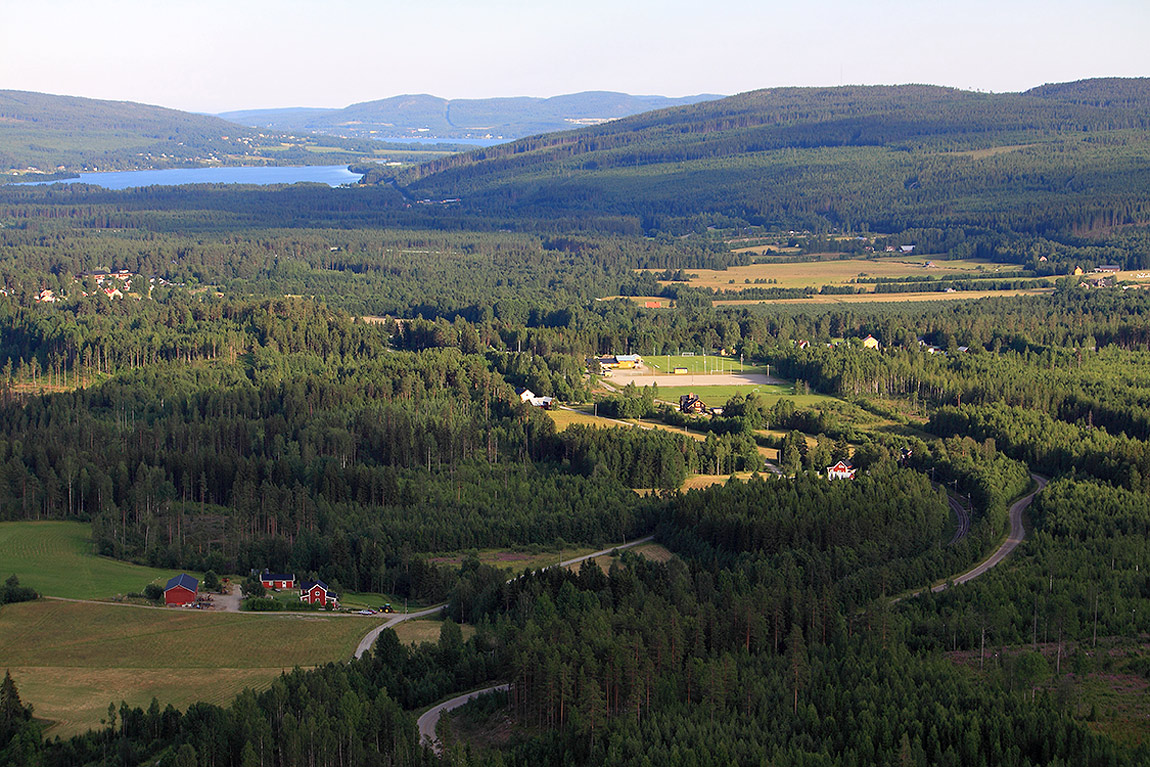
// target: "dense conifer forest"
[[326, 381]]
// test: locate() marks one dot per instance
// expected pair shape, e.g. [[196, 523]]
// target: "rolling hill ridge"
[[889, 157], [51, 133], [435, 117]]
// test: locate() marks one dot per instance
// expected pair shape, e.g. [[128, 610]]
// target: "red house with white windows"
[[841, 470], [317, 593], [181, 590], [277, 580]]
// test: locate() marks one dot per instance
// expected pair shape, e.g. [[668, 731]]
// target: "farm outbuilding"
[[277, 580], [181, 590]]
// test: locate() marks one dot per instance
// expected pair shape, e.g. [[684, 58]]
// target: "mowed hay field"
[[56, 559], [564, 418], [889, 298], [815, 274], [71, 659]]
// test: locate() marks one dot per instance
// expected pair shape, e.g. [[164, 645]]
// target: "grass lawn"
[[56, 559], [71, 659]]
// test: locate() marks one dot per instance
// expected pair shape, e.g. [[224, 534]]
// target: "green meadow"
[[56, 559]]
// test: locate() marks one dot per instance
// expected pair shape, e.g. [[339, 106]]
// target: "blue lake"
[[332, 175]]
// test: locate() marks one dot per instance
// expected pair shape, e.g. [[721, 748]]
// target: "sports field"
[[71, 659], [56, 559], [699, 363]]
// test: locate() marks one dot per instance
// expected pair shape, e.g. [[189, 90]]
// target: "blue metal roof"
[[185, 580]]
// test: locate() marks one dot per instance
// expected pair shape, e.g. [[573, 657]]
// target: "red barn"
[[317, 593], [181, 590], [277, 580]]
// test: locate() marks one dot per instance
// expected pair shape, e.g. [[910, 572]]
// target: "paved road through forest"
[[372, 635], [1017, 534], [430, 720]]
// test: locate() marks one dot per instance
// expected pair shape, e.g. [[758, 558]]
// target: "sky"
[[219, 55]]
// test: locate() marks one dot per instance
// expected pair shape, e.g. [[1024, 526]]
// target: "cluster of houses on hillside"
[[183, 590]]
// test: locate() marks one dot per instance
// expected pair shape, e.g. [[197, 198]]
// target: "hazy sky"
[[212, 55]]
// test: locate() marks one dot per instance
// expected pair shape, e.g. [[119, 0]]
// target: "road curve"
[[1017, 534], [369, 639], [430, 720]]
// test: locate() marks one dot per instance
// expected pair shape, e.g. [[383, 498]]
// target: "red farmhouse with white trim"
[[841, 470], [317, 593], [181, 590], [277, 580]]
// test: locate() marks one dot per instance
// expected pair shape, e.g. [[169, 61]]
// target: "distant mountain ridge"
[[66, 134], [422, 115], [1070, 156]]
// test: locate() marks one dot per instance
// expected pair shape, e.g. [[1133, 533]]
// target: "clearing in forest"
[[427, 631], [651, 550], [515, 561]]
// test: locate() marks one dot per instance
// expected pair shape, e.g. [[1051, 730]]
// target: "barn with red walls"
[[181, 590]]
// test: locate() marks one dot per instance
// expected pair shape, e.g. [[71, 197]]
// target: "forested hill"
[[50, 132], [435, 117], [1060, 157]]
